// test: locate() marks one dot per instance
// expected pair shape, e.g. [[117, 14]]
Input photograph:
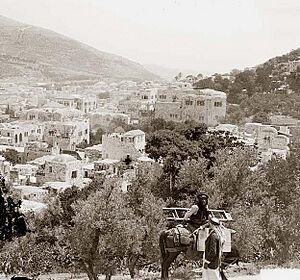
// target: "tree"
[[96, 138], [192, 178], [178, 77], [261, 117], [102, 234], [192, 130], [12, 156], [149, 211], [149, 125]]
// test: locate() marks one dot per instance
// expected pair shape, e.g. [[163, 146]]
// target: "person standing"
[[213, 251]]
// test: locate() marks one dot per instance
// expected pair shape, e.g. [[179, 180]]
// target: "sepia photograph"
[[149, 139]]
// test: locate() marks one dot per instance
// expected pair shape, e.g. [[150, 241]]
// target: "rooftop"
[[29, 206], [97, 147], [42, 160], [213, 93], [108, 161], [63, 158], [29, 189], [60, 186], [133, 133], [53, 104]]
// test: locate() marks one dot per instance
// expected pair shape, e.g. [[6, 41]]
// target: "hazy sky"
[[201, 35]]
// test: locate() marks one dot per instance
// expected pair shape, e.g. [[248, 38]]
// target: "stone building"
[[31, 193], [121, 146], [103, 119], [270, 142], [107, 167], [18, 133], [130, 106], [23, 174], [63, 168], [86, 103], [37, 114], [5, 167], [51, 114], [148, 95], [66, 135], [36, 149], [206, 105]]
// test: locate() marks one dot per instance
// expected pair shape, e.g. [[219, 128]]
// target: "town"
[[47, 133], [149, 140]]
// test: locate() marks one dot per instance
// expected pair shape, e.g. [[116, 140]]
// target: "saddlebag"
[[179, 236]]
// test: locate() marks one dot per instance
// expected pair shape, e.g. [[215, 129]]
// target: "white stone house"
[[31, 193], [18, 133], [206, 105], [64, 168], [23, 174], [270, 143], [66, 135], [120, 146]]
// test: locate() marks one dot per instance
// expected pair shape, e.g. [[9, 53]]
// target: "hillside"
[[168, 73], [39, 54], [271, 88]]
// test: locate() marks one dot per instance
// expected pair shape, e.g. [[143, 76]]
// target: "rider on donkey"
[[198, 215]]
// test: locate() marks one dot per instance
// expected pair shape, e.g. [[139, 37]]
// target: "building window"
[[173, 116], [201, 118], [163, 96], [86, 131], [188, 102], [74, 174], [39, 131], [50, 169], [218, 104], [200, 102]]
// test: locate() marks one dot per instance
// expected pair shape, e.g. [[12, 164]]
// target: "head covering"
[[202, 195], [214, 221]]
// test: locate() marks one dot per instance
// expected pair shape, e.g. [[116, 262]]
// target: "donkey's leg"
[[166, 264]]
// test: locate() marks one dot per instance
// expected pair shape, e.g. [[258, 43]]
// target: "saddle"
[[179, 236]]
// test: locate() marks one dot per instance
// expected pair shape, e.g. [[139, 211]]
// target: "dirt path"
[[265, 274]]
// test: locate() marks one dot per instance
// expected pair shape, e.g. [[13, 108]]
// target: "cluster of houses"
[[50, 128]]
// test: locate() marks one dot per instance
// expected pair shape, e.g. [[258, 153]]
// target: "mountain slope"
[[35, 53], [168, 73]]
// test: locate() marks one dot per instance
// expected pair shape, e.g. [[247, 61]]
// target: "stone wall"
[[114, 148], [62, 172]]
